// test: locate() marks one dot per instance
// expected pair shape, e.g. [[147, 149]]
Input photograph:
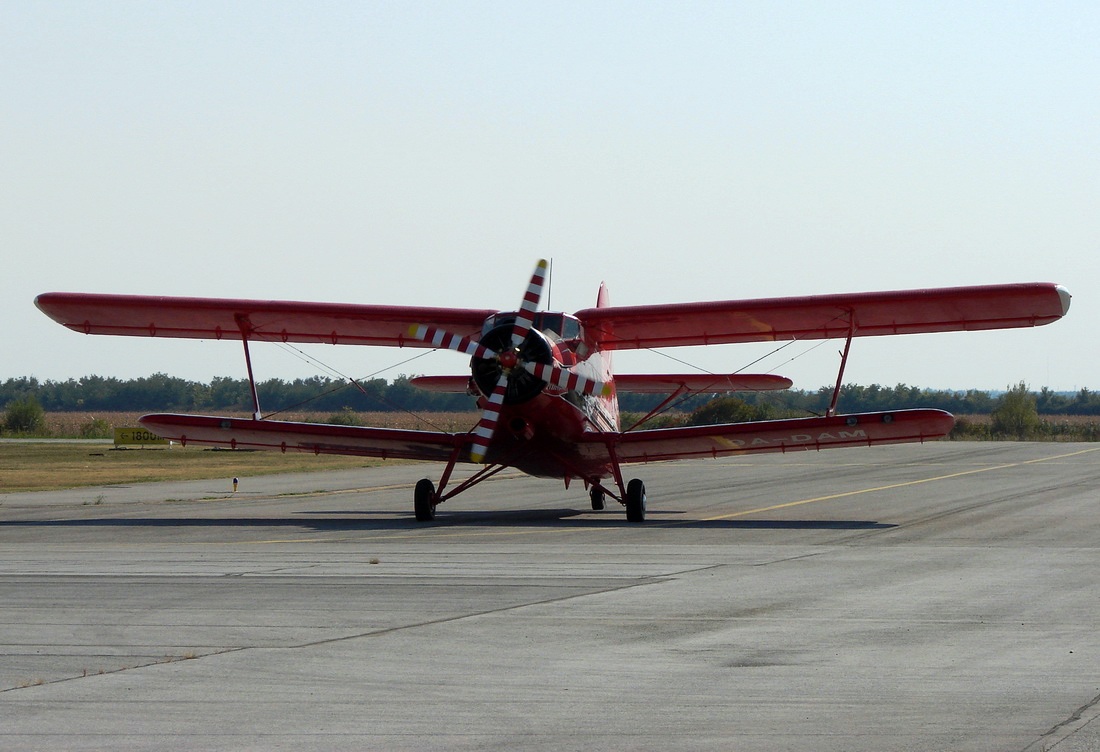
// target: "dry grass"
[[1078, 421], [50, 466], [1050, 428]]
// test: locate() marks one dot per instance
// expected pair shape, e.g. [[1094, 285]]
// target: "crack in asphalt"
[[1057, 728]]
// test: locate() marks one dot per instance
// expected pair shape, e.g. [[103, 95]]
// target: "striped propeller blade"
[[487, 426], [567, 379], [448, 341], [530, 304]]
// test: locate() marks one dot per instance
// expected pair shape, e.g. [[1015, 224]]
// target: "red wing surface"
[[699, 382], [264, 320], [643, 383], [244, 433], [445, 384], [863, 429], [826, 316]]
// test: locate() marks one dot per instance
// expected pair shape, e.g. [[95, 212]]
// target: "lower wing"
[[649, 383], [317, 438], [863, 429]]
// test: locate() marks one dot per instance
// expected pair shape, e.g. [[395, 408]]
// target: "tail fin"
[[603, 299]]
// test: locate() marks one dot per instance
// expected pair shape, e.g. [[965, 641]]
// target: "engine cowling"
[[522, 385]]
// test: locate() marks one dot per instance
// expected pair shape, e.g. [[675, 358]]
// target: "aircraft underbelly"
[[540, 438]]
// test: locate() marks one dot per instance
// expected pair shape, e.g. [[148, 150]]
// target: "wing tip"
[[41, 301], [1064, 297]]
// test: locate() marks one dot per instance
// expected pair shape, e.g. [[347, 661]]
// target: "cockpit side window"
[[548, 323]]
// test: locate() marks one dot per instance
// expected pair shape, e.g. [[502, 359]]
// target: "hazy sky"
[[430, 153]]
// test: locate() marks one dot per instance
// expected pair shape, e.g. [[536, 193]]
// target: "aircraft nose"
[[508, 359]]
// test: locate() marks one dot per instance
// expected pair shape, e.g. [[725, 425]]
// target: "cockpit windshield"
[[559, 326]]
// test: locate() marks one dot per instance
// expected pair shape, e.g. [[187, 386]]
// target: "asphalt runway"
[[936, 597]]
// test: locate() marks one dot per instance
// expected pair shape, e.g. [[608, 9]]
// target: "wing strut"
[[246, 329], [616, 470], [843, 362], [668, 400]]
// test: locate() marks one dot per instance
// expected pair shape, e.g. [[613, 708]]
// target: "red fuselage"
[[539, 433]]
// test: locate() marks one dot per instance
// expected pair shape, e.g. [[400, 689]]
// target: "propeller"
[[510, 359], [566, 379], [449, 341]]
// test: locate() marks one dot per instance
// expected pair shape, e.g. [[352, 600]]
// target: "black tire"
[[424, 500], [596, 494], [635, 501]]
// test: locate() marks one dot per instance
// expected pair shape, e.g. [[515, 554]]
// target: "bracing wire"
[[352, 381], [677, 403]]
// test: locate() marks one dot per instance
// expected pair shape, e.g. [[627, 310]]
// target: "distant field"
[[1050, 428], [50, 466]]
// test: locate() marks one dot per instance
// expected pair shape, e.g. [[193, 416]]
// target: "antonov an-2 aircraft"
[[543, 379]]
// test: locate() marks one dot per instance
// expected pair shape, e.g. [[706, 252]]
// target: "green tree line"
[[161, 392], [855, 398]]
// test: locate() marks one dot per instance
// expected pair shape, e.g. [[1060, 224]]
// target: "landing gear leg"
[[424, 500], [596, 495], [635, 501]]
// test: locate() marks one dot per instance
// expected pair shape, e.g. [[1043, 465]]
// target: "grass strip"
[[50, 466]]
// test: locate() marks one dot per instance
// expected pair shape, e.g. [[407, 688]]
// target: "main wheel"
[[424, 500], [635, 501], [596, 494]]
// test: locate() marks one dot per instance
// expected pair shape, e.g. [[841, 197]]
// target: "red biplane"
[[543, 379]]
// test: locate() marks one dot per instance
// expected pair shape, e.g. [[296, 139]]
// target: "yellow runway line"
[[895, 485]]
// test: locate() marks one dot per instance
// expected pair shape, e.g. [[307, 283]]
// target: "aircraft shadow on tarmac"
[[337, 520]]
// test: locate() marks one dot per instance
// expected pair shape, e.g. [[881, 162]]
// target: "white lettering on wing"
[[797, 438]]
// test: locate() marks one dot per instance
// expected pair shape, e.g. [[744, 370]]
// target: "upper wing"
[[864, 429], [317, 438], [265, 320], [826, 316]]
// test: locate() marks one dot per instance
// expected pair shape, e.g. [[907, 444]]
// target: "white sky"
[[429, 153]]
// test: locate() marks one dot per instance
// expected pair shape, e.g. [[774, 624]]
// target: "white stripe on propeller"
[[448, 341], [487, 426], [567, 379], [526, 316]]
